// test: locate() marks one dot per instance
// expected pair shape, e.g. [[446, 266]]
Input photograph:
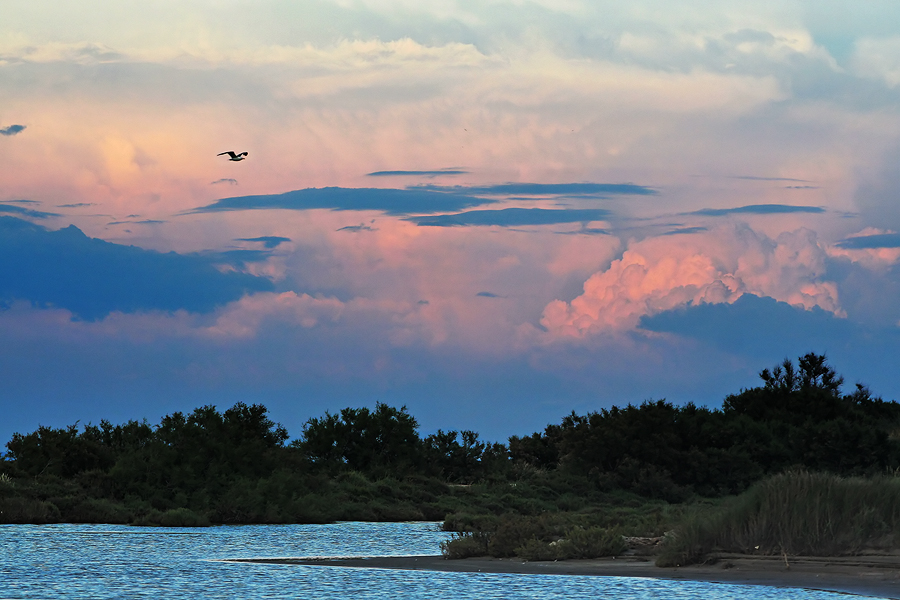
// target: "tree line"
[[239, 466]]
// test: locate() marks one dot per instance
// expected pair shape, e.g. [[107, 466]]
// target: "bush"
[[593, 542], [176, 517], [27, 510], [465, 545], [535, 549], [97, 510]]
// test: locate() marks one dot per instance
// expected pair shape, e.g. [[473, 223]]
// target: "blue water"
[[108, 561]]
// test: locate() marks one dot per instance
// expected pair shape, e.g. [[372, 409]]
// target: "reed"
[[793, 513]]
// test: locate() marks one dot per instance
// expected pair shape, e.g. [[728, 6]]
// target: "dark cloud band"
[[416, 173], [269, 241], [757, 209], [389, 201], [864, 242], [92, 277], [549, 189], [512, 217], [25, 212]]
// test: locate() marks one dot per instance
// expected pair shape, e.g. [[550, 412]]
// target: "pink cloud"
[[662, 273]]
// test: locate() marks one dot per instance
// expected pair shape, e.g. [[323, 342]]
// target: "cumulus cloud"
[[659, 274]]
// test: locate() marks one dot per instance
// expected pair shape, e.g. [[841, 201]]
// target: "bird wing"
[[230, 153]]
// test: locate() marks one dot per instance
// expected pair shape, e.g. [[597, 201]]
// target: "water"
[[108, 561]]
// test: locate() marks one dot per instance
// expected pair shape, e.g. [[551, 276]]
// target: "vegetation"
[[572, 490], [794, 513]]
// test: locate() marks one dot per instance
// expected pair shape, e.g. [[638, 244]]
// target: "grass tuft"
[[794, 513]]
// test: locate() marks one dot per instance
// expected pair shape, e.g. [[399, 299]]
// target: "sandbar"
[[877, 576]]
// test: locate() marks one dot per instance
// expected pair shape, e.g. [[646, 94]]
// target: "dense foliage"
[[799, 417], [371, 464]]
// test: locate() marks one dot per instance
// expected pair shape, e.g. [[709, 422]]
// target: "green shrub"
[[535, 549], [465, 545], [176, 517], [97, 510], [593, 542], [28, 510]]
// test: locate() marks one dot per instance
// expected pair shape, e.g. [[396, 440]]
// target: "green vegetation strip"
[[792, 466]]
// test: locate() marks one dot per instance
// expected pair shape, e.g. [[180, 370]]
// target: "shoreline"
[[877, 576]]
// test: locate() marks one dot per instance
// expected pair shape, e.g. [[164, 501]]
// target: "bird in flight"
[[233, 155]]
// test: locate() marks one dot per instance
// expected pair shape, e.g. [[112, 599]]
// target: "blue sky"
[[493, 212]]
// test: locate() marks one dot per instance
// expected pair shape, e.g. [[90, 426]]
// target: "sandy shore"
[[877, 576]]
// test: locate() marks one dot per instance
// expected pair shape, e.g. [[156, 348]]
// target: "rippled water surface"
[[108, 561]]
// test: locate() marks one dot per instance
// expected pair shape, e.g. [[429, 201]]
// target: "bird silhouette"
[[233, 155]]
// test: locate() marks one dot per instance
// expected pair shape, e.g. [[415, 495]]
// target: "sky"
[[494, 212]]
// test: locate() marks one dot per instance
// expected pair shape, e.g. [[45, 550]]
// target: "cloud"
[[865, 242], [356, 228], [76, 205], [876, 250], [753, 178], [511, 217], [143, 222], [753, 324], [269, 241], [26, 212], [757, 209], [235, 258], [685, 230], [487, 295], [662, 273], [12, 130], [227, 180], [92, 278], [546, 189], [586, 231], [416, 173], [389, 201], [765, 331]]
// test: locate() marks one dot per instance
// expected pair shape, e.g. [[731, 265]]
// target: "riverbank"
[[876, 576]]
